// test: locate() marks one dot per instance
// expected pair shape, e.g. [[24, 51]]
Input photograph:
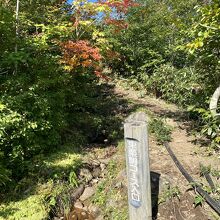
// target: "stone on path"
[[94, 210], [85, 173], [88, 192], [78, 205]]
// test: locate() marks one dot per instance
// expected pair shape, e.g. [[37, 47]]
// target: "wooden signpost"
[[138, 170]]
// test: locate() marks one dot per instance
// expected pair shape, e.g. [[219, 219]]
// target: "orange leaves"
[[87, 63], [120, 6], [83, 49], [80, 53]]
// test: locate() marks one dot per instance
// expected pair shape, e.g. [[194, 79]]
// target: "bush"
[[208, 125], [180, 86], [4, 176], [30, 123]]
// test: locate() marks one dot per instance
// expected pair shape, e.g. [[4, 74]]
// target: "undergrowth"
[[169, 193], [35, 195], [160, 130]]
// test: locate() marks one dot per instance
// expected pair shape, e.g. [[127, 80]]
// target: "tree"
[[205, 44]]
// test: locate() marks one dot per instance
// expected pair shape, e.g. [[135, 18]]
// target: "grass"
[[31, 208], [36, 193]]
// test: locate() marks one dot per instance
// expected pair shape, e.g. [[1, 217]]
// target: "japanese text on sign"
[[133, 170]]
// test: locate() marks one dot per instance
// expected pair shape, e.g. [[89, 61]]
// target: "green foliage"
[[28, 119], [208, 125], [204, 44], [42, 107], [100, 197], [7, 37], [151, 39], [45, 187], [29, 123], [213, 190], [161, 131], [180, 86], [169, 193], [215, 173], [30, 208], [172, 48], [73, 179], [205, 33], [198, 200], [4, 176]]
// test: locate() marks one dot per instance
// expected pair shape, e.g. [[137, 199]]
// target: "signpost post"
[[138, 169]]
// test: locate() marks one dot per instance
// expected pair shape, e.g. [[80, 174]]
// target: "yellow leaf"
[[86, 23], [2, 106]]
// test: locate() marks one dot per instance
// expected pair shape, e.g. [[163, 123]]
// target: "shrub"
[[180, 86]]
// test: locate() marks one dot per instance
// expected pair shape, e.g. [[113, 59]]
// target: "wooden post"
[[138, 168]]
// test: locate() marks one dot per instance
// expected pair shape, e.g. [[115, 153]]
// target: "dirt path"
[[189, 154]]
